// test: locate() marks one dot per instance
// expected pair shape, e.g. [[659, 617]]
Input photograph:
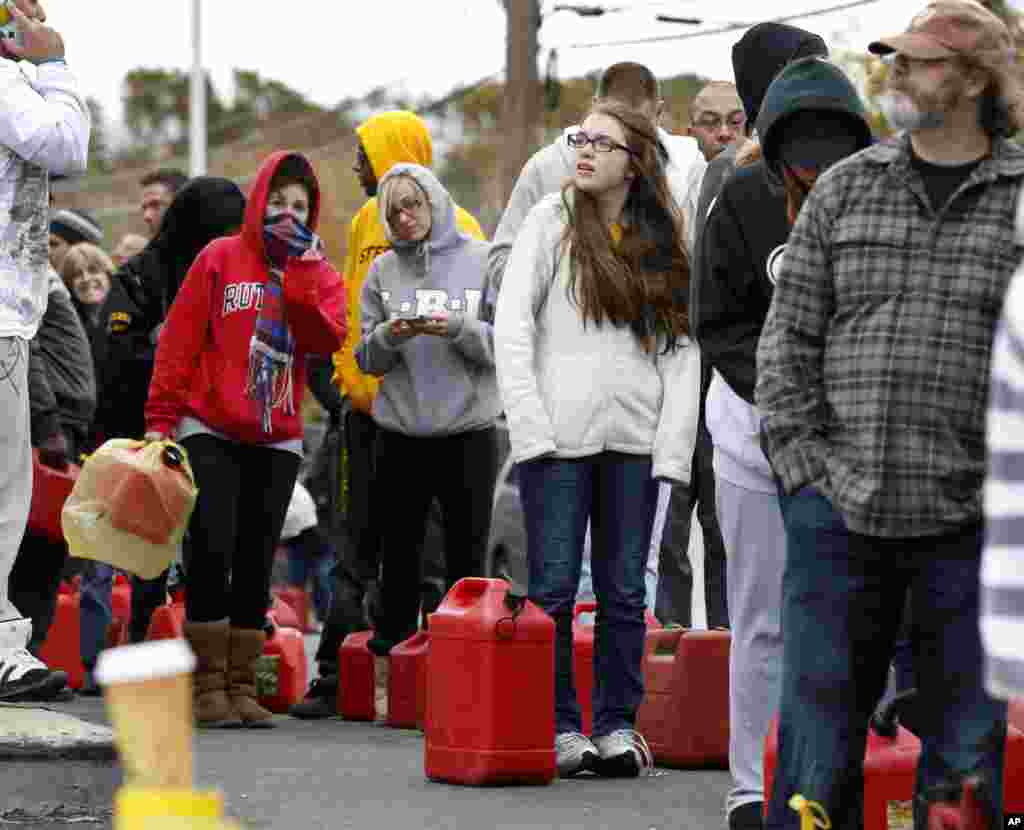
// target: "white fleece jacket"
[[574, 391], [44, 129]]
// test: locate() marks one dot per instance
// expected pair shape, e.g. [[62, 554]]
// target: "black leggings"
[[460, 471], [244, 491]]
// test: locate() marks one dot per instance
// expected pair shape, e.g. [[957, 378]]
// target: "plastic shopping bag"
[[130, 505]]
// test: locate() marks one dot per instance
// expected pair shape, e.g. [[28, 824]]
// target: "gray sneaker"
[[574, 753], [624, 754]]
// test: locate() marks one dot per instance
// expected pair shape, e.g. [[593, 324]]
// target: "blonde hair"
[[386, 196], [84, 256]]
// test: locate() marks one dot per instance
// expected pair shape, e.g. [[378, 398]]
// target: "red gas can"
[[356, 678], [408, 663], [297, 598], [50, 489], [890, 766], [121, 600], [685, 711], [490, 688], [63, 646], [167, 622], [282, 615], [281, 673], [963, 814], [583, 657]]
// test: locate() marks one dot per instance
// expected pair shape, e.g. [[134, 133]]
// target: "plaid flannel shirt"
[[873, 363]]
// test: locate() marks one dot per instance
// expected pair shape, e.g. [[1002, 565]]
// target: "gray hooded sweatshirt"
[[430, 386]]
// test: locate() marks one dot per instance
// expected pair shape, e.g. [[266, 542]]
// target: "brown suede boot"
[[212, 706], [246, 647]]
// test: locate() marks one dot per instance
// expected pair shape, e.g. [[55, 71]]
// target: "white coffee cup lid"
[[144, 661]]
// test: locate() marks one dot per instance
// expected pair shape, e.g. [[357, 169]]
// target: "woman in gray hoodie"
[[438, 398]]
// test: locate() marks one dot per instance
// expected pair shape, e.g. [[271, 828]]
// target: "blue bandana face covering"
[[272, 347]]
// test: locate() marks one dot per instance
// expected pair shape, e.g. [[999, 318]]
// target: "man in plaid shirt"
[[872, 384]]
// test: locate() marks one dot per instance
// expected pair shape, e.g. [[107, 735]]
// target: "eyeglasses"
[[711, 121], [410, 207], [600, 143]]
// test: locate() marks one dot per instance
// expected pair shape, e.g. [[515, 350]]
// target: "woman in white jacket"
[[600, 384]]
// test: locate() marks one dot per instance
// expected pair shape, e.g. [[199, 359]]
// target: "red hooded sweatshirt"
[[202, 358]]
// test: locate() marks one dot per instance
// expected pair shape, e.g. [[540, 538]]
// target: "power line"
[[721, 29]]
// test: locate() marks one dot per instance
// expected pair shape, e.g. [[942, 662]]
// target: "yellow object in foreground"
[[812, 814], [140, 808]]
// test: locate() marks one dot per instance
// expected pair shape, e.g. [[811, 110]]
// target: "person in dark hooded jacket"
[[757, 58], [810, 118], [144, 288], [140, 295]]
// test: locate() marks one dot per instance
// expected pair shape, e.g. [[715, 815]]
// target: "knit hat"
[[73, 226], [811, 116], [760, 55]]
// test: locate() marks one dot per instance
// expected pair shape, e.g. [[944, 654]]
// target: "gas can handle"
[[515, 602], [886, 717], [515, 598]]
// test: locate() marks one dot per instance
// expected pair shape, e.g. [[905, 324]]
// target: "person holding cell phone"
[[438, 398], [44, 131]]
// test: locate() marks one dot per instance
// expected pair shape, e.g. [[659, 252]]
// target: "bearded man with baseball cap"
[[873, 372]]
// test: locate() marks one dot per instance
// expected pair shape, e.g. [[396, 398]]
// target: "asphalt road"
[[336, 774]]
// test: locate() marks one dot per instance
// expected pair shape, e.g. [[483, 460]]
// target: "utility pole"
[[522, 89], [197, 98]]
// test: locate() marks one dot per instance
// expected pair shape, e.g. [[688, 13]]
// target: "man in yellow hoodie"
[[386, 139]]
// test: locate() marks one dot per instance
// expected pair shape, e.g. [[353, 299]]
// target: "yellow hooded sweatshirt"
[[389, 138]]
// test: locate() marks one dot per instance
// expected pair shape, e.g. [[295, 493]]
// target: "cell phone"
[[416, 319], [8, 28]]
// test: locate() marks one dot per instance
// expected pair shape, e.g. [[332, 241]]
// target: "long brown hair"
[[643, 281]]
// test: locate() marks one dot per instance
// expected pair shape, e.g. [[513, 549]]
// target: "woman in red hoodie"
[[228, 380]]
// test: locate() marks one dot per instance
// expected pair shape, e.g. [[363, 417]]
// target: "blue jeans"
[[616, 493], [95, 611], [311, 553], [843, 597]]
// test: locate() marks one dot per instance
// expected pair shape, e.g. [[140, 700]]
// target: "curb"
[[56, 766]]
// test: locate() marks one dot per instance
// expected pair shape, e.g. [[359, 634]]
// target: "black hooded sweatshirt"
[[745, 233], [142, 292], [757, 58]]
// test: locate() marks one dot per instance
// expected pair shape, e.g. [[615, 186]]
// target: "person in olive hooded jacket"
[[810, 118], [228, 381]]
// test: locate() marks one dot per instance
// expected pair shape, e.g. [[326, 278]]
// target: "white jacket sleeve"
[[676, 435], [44, 121], [528, 275], [685, 176], [528, 191]]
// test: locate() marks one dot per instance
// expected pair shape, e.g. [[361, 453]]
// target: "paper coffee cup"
[[148, 691]]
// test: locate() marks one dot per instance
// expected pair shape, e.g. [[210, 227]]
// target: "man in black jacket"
[[757, 57], [811, 117]]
